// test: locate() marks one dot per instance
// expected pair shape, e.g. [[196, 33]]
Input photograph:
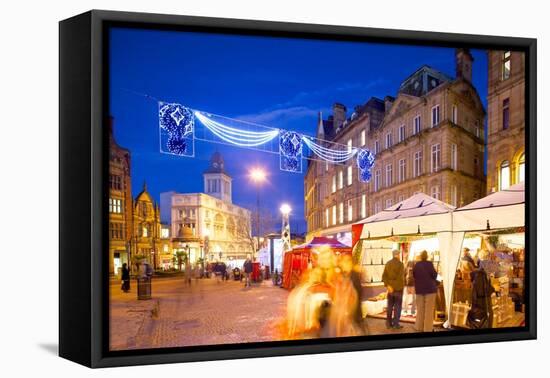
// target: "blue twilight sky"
[[278, 82]]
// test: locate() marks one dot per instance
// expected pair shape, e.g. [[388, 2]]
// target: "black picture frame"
[[83, 167]]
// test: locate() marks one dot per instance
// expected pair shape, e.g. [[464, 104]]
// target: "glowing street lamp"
[[258, 176], [285, 209]]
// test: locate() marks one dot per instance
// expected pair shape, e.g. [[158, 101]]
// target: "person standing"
[[394, 281], [125, 278], [247, 268], [409, 296], [425, 286]]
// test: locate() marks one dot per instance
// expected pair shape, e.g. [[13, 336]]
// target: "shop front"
[[416, 224], [493, 230]]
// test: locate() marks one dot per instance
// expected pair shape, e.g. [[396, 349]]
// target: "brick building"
[[506, 119]]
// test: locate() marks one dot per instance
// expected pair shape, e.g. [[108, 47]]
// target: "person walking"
[[425, 286], [394, 281], [247, 268], [125, 278], [188, 272]]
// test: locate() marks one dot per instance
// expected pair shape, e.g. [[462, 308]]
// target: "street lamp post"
[[258, 176], [285, 229]]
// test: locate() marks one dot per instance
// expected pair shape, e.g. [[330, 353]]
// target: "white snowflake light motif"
[[176, 124]]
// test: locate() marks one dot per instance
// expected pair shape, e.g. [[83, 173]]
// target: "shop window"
[[521, 168], [506, 114], [506, 65], [504, 175]]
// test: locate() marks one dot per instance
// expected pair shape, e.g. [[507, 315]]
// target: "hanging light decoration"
[[176, 129], [365, 162], [242, 138], [290, 151], [330, 155]]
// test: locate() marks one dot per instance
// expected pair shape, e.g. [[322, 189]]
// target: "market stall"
[[410, 226], [301, 256], [493, 229]]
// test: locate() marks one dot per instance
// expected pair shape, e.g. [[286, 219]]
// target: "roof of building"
[[422, 81], [217, 164]]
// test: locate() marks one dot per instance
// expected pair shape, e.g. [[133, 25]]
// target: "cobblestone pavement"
[[207, 312]]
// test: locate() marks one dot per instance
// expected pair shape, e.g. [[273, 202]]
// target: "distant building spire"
[[320, 128]]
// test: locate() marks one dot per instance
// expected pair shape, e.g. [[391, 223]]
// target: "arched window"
[[504, 175], [521, 168]]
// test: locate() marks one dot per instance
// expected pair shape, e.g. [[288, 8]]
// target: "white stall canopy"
[[419, 214], [500, 210]]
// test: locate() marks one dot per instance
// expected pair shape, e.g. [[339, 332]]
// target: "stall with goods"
[[493, 233], [419, 223]]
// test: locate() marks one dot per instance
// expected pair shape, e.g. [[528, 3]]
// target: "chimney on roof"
[[339, 114], [464, 60]]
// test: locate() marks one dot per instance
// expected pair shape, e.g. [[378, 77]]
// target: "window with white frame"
[[115, 205], [389, 203], [435, 192], [401, 133], [504, 175], [350, 145], [363, 137], [376, 147], [417, 126], [389, 140], [454, 114], [350, 211], [341, 212], [417, 167], [363, 206], [454, 157], [334, 214], [377, 175], [436, 158], [435, 116], [350, 175], [327, 217], [402, 172], [389, 175], [334, 184], [340, 179], [506, 65], [454, 195]]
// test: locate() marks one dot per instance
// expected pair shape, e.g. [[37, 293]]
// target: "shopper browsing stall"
[[425, 282], [394, 280]]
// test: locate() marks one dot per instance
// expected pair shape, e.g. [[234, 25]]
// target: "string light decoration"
[[177, 136], [365, 162], [290, 151], [330, 155], [176, 127], [237, 137]]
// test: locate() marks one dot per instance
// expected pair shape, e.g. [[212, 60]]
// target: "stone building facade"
[[120, 204], [208, 225], [506, 119], [429, 138], [147, 228]]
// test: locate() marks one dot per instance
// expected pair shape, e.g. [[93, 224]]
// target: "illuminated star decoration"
[[290, 151], [176, 124], [365, 161]]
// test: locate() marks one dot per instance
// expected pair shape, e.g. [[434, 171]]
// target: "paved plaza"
[[207, 312]]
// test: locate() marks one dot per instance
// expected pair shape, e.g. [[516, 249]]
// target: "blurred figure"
[[425, 282], [394, 280], [125, 278], [409, 294], [188, 272], [247, 268]]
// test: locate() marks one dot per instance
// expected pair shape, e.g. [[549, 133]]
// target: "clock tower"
[[217, 183]]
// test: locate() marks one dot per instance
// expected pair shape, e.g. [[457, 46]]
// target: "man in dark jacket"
[[247, 268], [394, 280]]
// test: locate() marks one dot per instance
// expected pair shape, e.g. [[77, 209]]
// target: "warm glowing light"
[[257, 175], [285, 209]]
